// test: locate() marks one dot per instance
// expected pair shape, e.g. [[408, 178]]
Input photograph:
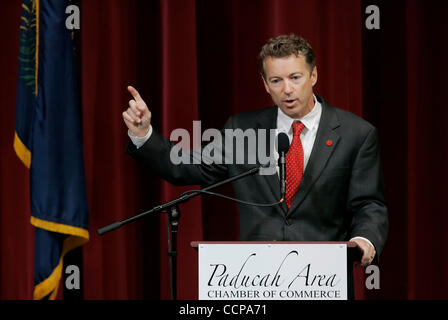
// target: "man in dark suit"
[[333, 168]]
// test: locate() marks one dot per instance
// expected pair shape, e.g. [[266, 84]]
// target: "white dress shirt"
[[308, 136], [139, 141]]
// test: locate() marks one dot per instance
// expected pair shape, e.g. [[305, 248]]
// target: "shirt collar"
[[310, 121]]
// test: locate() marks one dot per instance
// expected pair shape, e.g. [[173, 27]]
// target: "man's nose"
[[287, 89]]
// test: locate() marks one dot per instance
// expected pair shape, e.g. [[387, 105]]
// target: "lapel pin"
[[329, 142]]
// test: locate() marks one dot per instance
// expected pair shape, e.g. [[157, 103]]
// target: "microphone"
[[283, 147]]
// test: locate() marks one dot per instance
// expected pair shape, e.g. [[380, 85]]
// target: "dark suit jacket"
[[340, 196]]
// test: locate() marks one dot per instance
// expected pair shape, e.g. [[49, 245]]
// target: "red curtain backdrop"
[[196, 60]]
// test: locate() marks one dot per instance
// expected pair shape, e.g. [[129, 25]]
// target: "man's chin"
[[293, 112]]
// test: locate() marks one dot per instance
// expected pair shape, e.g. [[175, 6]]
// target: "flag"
[[48, 139]]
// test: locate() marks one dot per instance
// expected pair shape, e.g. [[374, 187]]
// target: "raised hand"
[[137, 117]]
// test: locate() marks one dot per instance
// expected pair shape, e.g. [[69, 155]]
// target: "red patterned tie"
[[294, 163]]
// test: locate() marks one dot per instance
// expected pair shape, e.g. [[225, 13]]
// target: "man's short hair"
[[284, 46]]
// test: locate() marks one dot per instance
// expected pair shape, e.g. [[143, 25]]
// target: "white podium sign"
[[272, 271]]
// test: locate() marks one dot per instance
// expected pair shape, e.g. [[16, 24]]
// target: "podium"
[[277, 270]]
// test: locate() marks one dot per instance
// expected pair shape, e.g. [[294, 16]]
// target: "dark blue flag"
[[48, 139]]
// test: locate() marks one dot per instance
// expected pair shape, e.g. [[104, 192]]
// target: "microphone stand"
[[172, 208]]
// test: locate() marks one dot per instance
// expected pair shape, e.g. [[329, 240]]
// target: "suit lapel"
[[320, 153]]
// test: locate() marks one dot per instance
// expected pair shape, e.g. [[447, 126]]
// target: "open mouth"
[[289, 102]]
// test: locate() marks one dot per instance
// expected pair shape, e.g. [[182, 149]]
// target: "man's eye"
[[275, 81], [296, 77]]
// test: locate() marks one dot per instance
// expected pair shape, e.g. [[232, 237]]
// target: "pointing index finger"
[[134, 93]]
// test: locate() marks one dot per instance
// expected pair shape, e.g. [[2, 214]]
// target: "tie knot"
[[297, 128]]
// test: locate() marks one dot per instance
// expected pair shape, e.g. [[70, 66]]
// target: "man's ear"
[[314, 76], [265, 83]]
